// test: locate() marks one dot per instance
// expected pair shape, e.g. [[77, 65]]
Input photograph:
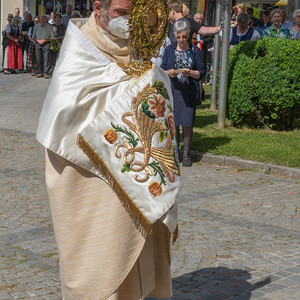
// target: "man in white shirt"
[[17, 12], [42, 34], [52, 18]]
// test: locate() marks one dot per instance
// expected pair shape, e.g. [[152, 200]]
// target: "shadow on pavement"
[[215, 284]]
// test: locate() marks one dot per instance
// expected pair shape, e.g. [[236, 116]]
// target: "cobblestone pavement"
[[239, 231]]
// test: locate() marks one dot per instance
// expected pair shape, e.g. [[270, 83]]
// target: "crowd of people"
[[271, 23], [186, 66], [33, 44]]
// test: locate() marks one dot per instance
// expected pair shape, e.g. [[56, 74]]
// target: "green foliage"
[[263, 145], [162, 135], [169, 106], [126, 168], [146, 110], [256, 11], [129, 135], [264, 83], [160, 87], [156, 168]]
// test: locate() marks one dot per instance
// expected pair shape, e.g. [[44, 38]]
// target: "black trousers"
[[42, 58]]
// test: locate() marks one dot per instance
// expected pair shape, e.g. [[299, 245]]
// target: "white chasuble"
[[118, 127]]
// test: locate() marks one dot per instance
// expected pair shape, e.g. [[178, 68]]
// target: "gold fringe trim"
[[128, 203], [175, 235]]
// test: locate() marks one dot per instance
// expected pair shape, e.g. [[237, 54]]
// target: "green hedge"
[[264, 83]]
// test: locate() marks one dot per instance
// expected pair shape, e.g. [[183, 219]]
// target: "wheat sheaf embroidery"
[[151, 118]]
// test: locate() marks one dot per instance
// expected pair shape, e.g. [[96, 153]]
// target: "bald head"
[[186, 12]]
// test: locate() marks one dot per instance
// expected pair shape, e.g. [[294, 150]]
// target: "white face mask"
[[118, 26]]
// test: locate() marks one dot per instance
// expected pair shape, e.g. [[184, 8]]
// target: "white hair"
[[198, 14], [295, 13], [180, 26]]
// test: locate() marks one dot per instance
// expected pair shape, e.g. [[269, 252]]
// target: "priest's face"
[[115, 9]]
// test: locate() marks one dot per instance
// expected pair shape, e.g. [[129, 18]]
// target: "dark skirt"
[[185, 102]]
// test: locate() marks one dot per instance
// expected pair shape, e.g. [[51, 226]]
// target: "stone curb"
[[243, 164]]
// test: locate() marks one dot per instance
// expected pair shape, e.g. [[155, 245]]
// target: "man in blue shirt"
[[66, 18]]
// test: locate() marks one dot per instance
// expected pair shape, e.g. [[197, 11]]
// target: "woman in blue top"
[[183, 64]]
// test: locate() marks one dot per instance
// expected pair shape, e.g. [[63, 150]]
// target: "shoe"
[[12, 71], [186, 162], [46, 76], [39, 76]]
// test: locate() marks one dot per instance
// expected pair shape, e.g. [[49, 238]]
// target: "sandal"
[[6, 71], [39, 76], [33, 74], [12, 71]]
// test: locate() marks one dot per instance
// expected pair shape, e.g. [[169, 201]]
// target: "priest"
[[112, 170]]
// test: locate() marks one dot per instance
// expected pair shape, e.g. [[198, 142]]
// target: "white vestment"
[[86, 212]]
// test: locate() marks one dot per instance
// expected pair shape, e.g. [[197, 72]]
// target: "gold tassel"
[[175, 235], [128, 203]]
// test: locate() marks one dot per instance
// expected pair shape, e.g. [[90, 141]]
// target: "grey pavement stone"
[[4, 296], [239, 231], [244, 164]]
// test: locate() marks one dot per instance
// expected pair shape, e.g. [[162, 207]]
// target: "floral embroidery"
[[151, 118], [183, 60], [111, 136], [157, 105], [155, 189], [171, 123]]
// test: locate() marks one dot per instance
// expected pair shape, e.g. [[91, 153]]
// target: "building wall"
[[196, 6], [8, 7], [200, 4]]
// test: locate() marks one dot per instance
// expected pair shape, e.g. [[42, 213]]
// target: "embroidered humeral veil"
[[132, 143], [119, 127]]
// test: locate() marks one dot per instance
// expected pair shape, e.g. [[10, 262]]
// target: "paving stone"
[[4, 296]]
